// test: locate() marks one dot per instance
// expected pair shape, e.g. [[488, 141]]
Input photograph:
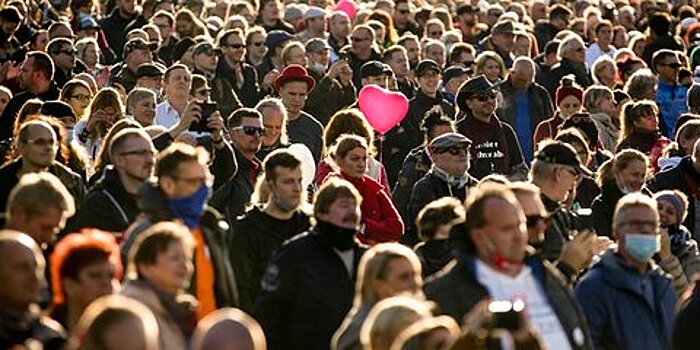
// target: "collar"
[[451, 180], [549, 204]]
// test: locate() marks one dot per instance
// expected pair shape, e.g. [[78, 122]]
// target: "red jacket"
[[382, 221]]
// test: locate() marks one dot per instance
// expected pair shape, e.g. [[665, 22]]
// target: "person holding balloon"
[[381, 220]]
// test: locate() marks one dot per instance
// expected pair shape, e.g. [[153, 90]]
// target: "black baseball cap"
[[560, 153]]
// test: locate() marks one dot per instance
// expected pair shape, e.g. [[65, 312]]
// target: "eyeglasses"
[[235, 46], [533, 220], [579, 49], [485, 97], [69, 52], [203, 91], [435, 33], [81, 97], [41, 142], [403, 12], [250, 130], [258, 43], [454, 150], [140, 153], [674, 65]]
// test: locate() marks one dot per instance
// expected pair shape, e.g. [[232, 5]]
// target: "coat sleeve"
[[588, 295], [242, 253], [224, 165], [277, 292], [389, 227]]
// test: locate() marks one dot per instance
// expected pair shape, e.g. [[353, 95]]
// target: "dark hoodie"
[[256, 236]]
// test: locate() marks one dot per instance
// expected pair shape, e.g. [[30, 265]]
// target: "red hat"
[[568, 88], [295, 72]]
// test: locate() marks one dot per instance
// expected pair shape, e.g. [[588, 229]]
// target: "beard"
[[286, 206]]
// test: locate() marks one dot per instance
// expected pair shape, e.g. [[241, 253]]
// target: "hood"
[[622, 276]]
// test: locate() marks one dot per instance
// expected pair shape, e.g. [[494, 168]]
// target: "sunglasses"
[[403, 12], [674, 65], [454, 150], [258, 43], [251, 130], [579, 49], [69, 52], [436, 33], [485, 97], [235, 46], [533, 220]]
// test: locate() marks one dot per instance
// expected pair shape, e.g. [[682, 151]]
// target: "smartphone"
[[507, 315], [207, 109], [583, 220]]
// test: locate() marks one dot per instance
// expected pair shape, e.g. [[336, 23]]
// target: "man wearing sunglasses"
[[136, 51], [232, 65], [206, 59], [63, 55], [496, 149], [671, 97], [245, 130], [447, 177]]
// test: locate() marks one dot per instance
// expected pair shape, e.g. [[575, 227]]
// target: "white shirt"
[[594, 51], [166, 115], [525, 287]]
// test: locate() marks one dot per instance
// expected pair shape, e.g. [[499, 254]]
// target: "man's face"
[[482, 105], [635, 220], [668, 68], [234, 48], [381, 80], [402, 13], [503, 233], [9, 28], [504, 41], [492, 16], [413, 52], [127, 6], [39, 148], [137, 58], [340, 25], [453, 160], [344, 212], [164, 26], [566, 179], [179, 82], [256, 46], [26, 74], [317, 24], [271, 11], [136, 159], [323, 57], [605, 35], [206, 61], [361, 40], [272, 121], [4, 99], [21, 276], [522, 77], [453, 85], [626, 19], [539, 11], [62, 31], [241, 138], [190, 177], [399, 63], [536, 217], [287, 189], [436, 53], [429, 82], [468, 19], [65, 58], [577, 53], [42, 227], [294, 94], [150, 82]]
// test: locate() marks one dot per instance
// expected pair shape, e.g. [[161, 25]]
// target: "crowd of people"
[[205, 175]]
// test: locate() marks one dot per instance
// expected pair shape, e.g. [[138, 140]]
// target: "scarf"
[[190, 208], [452, 181], [340, 238]]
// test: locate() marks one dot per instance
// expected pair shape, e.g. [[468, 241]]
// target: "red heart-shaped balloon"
[[382, 108]]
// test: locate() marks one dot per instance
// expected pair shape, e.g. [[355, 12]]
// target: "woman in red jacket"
[[382, 222]]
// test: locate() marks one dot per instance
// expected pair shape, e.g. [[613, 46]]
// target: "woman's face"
[[631, 178], [607, 73], [171, 270], [522, 46], [354, 163], [145, 111], [400, 277], [667, 213], [298, 56], [93, 281], [607, 106], [620, 38], [569, 106], [492, 70], [79, 100], [90, 57], [648, 122]]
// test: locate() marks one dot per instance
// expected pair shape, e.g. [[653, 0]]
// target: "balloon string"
[[381, 149]]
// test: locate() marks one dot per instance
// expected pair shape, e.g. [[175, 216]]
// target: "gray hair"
[[593, 96], [599, 65], [135, 96], [633, 200], [567, 43], [275, 103], [36, 192], [525, 61]]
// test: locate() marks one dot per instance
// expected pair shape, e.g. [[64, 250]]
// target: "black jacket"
[[154, 207], [415, 166], [249, 93], [564, 68], [456, 290], [114, 27], [541, 106], [328, 97], [107, 206], [9, 114], [233, 196], [8, 180], [434, 255], [603, 207], [306, 293], [356, 63], [21, 329], [256, 237], [223, 93]]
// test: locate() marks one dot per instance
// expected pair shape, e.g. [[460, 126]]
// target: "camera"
[[207, 109]]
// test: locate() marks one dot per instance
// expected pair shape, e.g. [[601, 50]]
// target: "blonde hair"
[[618, 163], [490, 55], [388, 318]]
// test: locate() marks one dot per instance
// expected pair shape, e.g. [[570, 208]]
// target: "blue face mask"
[[642, 246], [190, 208]]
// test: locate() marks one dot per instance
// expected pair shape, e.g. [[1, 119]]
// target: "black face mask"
[[340, 238]]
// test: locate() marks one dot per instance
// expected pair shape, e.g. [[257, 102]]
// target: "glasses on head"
[[235, 46], [250, 130], [533, 220], [454, 150], [82, 97], [485, 97], [41, 142], [674, 65], [139, 153]]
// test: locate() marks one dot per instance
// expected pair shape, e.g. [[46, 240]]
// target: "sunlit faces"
[[172, 269], [631, 178], [293, 95], [354, 163], [272, 122], [569, 106]]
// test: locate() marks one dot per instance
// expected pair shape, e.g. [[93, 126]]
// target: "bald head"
[[523, 73], [228, 329], [21, 271]]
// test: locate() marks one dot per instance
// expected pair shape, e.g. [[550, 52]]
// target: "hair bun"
[[568, 81]]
